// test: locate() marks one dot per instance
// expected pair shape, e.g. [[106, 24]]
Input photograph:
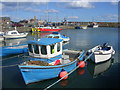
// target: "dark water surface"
[[104, 75]]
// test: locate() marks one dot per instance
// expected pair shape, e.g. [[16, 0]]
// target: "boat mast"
[[47, 12]]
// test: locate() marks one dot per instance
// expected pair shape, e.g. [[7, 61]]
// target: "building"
[[5, 20]]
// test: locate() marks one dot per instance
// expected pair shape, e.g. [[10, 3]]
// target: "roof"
[[45, 41]]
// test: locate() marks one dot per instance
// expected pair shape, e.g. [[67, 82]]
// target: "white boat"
[[1, 33], [11, 42], [93, 25], [84, 27], [1, 38], [14, 34], [59, 36], [101, 53]]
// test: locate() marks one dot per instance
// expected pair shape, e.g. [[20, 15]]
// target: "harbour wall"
[[65, 26]]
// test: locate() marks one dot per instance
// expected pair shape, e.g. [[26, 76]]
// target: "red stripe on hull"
[[44, 29]]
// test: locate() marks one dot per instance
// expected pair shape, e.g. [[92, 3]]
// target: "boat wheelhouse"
[[48, 60], [45, 48]]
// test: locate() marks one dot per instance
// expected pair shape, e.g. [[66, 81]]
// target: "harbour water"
[[104, 75]]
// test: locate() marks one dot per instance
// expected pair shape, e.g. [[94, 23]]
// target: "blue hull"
[[38, 73], [34, 73], [5, 51]]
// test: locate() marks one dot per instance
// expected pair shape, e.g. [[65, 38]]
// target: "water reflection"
[[81, 71], [64, 83], [11, 42], [40, 34], [99, 69]]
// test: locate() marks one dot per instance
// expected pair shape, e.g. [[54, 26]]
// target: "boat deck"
[[67, 57]]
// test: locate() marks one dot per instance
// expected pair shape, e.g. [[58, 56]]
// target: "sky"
[[57, 11]]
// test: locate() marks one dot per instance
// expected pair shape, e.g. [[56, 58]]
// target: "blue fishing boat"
[[78, 27], [47, 60], [12, 50], [59, 36]]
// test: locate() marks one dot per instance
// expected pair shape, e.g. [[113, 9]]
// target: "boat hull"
[[33, 74], [1, 39], [101, 57], [14, 36], [93, 26], [11, 50], [45, 29]]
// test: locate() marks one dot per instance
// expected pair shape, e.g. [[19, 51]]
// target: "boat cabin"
[[13, 32], [54, 35], [45, 47]]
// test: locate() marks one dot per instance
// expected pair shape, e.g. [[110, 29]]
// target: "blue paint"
[[44, 72], [8, 50], [45, 41]]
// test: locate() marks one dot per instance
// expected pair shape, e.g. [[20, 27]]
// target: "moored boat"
[[102, 53], [47, 28], [93, 25], [84, 27], [1, 38], [59, 36], [78, 27], [12, 50], [1, 33], [47, 60], [13, 34]]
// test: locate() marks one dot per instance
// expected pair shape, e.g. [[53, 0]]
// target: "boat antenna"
[[47, 11]]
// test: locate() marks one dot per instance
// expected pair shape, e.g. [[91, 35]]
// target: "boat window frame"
[[13, 33], [51, 52], [41, 50], [31, 48], [34, 48], [56, 37], [59, 47], [49, 36]]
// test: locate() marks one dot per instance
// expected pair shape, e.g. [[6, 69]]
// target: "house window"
[[30, 48], [36, 49], [43, 50]]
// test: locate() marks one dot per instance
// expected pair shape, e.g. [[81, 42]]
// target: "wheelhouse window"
[[30, 48], [36, 49], [14, 33], [49, 37], [52, 49], [56, 36], [43, 50], [58, 47]]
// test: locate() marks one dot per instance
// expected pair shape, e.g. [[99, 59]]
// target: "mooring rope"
[[68, 73], [9, 66], [12, 57]]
